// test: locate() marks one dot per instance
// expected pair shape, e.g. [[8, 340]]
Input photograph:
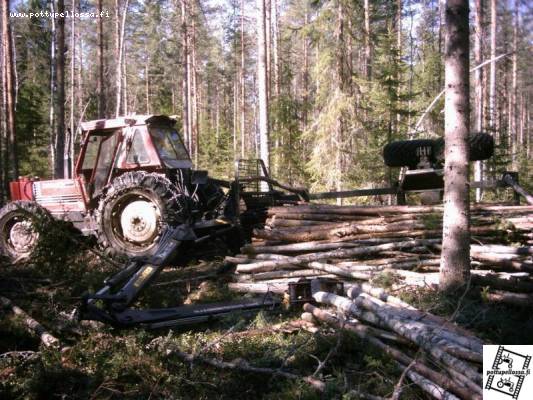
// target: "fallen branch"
[[243, 365], [32, 325]]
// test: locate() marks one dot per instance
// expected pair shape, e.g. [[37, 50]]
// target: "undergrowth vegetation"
[[99, 362]]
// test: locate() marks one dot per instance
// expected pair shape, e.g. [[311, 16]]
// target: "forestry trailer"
[[133, 179]]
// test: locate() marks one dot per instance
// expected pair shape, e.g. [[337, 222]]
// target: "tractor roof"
[[121, 122]]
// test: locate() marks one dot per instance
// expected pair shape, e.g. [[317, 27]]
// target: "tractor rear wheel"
[[18, 236], [136, 209], [481, 147], [406, 153]]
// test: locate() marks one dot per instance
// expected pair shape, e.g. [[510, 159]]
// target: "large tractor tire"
[[18, 236], [135, 211], [481, 147], [406, 153]]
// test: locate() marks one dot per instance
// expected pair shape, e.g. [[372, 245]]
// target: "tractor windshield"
[[170, 147]]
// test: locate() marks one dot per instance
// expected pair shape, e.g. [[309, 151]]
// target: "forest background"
[[343, 78]]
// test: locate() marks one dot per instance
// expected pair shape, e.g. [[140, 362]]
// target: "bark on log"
[[314, 246], [428, 386], [32, 325], [515, 299], [280, 274], [442, 328], [501, 249], [353, 290], [393, 352], [408, 329], [266, 266], [384, 210]]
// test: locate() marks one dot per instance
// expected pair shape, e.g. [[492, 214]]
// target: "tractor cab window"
[[170, 147], [90, 154], [137, 154], [105, 161]]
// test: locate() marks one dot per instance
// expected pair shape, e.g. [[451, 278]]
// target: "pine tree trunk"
[[9, 88], [514, 93], [478, 82], [119, 31], [305, 72], [101, 62], [52, 110], [185, 80], [262, 83], [4, 162], [60, 95], [455, 258], [492, 83], [194, 92], [268, 47], [125, 81], [368, 48], [243, 88], [70, 135], [275, 47]]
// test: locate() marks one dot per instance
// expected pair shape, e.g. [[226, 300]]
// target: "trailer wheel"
[[481, 147], [406, 153], [18, 236], [136, 209]]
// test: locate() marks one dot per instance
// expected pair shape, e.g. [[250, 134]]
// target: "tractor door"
[[99, 160]]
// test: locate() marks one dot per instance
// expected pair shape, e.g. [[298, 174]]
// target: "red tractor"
[[133, 178]]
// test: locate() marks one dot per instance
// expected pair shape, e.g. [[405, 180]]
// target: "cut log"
[[262, 287], [500, 249], [340, 253], [441, 327], [362, 332], [428, 386], [342, 272], [409, 329], [314, 246], [501, 281], [280, 274], [515, 299]]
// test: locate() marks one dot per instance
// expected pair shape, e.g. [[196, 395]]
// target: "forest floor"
[[99, 362]]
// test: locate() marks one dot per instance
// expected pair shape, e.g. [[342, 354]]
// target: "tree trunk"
[[514, 91], [52, 110], [60, 95], [120, 26], [243, 88], [9, 88], [275, 47], [70, 135], [264, 136], [194, 92], [185, 79], [478, 82], [492, 84], [455, 258], [368, 48], [100, 56]]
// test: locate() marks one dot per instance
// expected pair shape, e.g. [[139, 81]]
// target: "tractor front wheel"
[[18, 236], [134, 212]]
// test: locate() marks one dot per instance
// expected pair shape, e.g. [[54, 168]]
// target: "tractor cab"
[[113, 147]]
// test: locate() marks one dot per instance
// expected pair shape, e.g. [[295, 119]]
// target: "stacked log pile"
[[358, 243], [361, 245]]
